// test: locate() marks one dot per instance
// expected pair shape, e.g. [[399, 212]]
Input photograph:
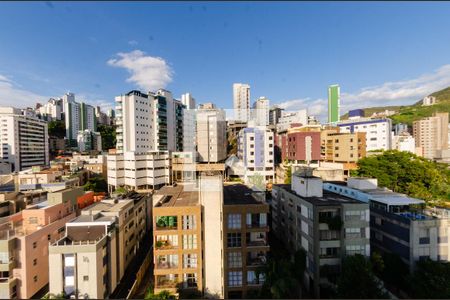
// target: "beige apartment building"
[[177, 235], [84, 262], [209, 239], [93, 256], [431, 134], [24, 240], [343, 148]]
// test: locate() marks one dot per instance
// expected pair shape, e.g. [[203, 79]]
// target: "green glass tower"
[[334, 98]]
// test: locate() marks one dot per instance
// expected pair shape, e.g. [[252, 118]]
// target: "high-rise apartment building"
[[211, 134], [256, 151], [404, 142], [275, 113], [334, 103], [78, 117], [327, 226], [197, 250], [51, 110], [134, 120], [188, 101], [260, 112], [431, 134], [24, 140], [241, 102], [149, 122], [89, 141], [292, 118], [378, 131]]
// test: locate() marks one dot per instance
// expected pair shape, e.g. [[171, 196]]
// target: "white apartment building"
[[149, 122], [256, 151], [88, 140], [188, 101], [78, 117], [241, 102], [290, 117], [431, 134], [24, 140], [138, 170], [404, 142], [211, 134], [378, 131], [428, 100], [51, 110], [134, 120], [260, 112]]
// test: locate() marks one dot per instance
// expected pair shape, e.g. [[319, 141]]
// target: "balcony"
[[165, 245], [166, 223], [256, 259], [256, 239], [166, 281]]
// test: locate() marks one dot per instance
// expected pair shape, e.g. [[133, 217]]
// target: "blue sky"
[[380, 53]]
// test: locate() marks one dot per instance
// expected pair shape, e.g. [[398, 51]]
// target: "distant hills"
[[410, 113]]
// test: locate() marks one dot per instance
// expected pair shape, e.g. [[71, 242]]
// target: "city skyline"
[[115, 48]]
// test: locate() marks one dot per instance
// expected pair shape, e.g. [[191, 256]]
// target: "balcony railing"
[[256, 225], [166, 283], [167, 265], [256, 261], [256, 243], [165, 245]]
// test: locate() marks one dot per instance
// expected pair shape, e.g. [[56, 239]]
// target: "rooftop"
[[179, 195], [239, 194], [328, 198]]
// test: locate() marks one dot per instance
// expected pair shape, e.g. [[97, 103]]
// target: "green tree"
[[357, 280], [108, 134], [96, 184], [431, 280], [57, 129], [407, 173], [288, 174]]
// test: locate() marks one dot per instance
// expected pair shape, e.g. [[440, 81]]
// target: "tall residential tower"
[[334, 99]]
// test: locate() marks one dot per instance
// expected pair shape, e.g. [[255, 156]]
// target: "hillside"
[[410, 113]]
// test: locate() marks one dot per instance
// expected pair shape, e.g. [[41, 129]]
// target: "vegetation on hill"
[[408, 173], [108, 134], [409, 113]]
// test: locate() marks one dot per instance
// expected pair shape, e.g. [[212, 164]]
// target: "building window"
[[234, 259], [35, 278], [235, 278], [34, 261], [190, 280], [189, 222], [189, 241], [190, 261], [85, 278], [234, 240], [355, 249], [234, 221], [34, 245]]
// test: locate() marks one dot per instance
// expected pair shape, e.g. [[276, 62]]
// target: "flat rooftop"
[[239, 194], [176, 196], [328, 198]]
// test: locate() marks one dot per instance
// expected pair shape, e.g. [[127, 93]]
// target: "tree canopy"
[[357, 280], [108, 134], [431, 280], [57, 129], [96, 184], [407, 173]]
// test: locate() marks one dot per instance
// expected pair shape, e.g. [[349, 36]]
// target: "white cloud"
[[147, 72], [12, 94], [403, 92]]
